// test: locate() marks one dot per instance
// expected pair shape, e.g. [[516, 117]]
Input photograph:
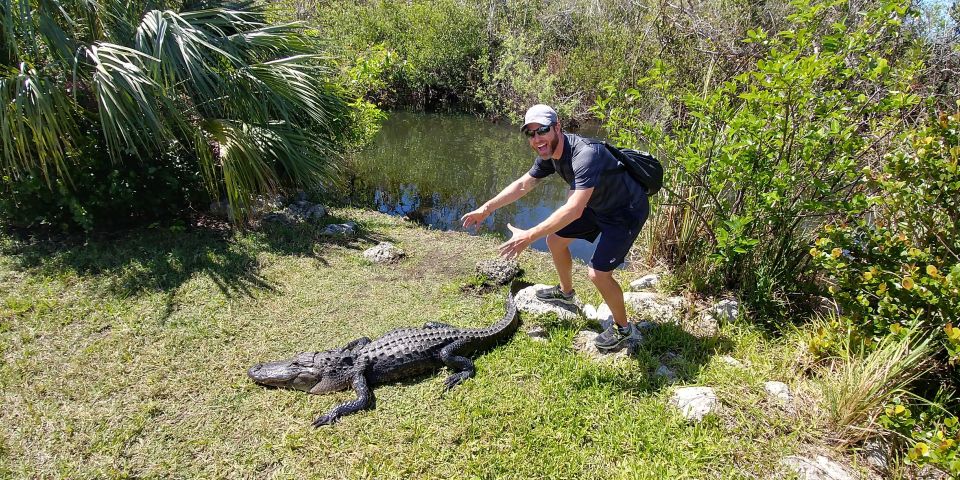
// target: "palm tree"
[[245, 100]]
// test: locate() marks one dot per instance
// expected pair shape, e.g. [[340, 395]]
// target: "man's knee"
[[555, 242], [598, 276]]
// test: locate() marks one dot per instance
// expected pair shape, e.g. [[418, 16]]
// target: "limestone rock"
[[646, 282], [348, 229], [499, 271], [527, 302], [657, 307], [601, 314], [819, 468], [694, 402], [384, 252], [777, 391]]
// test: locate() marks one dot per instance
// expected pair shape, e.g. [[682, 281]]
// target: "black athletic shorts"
[[617, 232]]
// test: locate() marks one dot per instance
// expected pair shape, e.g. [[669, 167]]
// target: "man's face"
[[545, 144]]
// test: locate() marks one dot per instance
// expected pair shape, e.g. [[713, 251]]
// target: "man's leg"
[[562, 260], [612, 294]]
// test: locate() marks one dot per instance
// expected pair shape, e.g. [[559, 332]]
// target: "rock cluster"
[[297, 212]]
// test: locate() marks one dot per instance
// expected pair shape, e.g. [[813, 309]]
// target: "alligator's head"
[[312, 372]]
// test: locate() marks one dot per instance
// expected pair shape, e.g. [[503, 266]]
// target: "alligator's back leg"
[[463, 365], [364, 399]]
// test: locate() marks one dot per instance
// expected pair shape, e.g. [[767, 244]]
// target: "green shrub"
[[424, 54], [898, 267], [762, 160]]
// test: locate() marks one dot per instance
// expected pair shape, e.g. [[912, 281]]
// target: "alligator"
[[398, 354]]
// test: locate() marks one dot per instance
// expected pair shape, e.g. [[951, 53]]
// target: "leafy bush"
[[117, 92], [762, 160], [898, 267]]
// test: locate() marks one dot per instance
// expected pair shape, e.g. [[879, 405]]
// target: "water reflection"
[[434, 168]]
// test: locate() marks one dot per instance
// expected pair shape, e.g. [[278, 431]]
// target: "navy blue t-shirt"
[[584, 165]]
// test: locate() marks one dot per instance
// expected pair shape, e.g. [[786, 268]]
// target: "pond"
[[434, 168]]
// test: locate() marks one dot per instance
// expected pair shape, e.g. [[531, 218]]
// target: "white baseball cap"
[[540, 113]]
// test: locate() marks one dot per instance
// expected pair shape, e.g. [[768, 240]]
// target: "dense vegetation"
[[118, 111], [812, 148], [796, 139]]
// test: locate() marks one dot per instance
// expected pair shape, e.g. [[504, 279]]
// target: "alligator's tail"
[[505, 326]]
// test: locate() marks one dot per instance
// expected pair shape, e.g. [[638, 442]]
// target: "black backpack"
[[641, 166]]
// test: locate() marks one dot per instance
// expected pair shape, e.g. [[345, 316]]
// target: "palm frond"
[[37, 126], [125, 95]]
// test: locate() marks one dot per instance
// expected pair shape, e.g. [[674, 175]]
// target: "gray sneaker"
[[613, 338], [556, 296]]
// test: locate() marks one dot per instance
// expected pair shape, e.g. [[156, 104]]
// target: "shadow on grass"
[[667, 355], [162, 259]]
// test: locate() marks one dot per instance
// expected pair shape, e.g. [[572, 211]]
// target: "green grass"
[[126, 357]]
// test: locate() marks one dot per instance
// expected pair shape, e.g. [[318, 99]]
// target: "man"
[[603, 201]]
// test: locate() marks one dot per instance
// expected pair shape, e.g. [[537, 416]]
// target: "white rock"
[[777, 391], [819, 468], [733, 362], [384, 252], [726, 310], [348, 229], [694, 402], [527, 302], [590, 312], [604, 315], [646, 282], [657, 307]]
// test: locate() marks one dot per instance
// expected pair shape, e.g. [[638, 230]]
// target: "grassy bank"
[[126, 357]]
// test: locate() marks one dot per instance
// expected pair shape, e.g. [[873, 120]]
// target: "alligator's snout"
[[308, 372]]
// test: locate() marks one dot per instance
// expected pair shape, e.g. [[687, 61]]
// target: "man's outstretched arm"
[[510, 194], [570, 211]]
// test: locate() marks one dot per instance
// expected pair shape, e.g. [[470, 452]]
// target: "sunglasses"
[[540, 131]]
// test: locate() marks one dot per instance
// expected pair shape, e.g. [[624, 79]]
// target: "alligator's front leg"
[[364, 399], [463, 365], [358, 343]]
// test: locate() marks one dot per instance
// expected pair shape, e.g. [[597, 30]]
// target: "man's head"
[[542, 130]]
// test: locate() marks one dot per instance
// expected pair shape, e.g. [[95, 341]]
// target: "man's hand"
[[475, 217], [519, 242]]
